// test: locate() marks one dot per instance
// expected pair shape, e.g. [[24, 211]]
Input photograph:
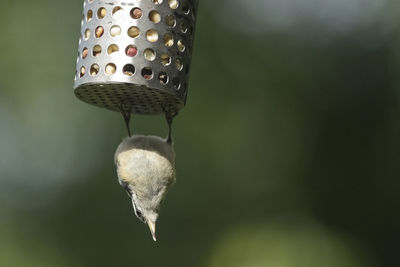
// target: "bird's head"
[[147, 208]]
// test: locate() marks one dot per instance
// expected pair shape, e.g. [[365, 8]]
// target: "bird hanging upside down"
[[146, 169]]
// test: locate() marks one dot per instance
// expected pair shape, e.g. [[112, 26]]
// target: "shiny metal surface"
[[116, 68]]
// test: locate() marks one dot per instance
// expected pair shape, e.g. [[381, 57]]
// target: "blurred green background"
[[288, 151]]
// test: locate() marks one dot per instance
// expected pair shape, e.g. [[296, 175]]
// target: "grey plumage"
[[146, 169]]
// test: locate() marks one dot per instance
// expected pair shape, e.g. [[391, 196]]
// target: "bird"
[[146, 170]]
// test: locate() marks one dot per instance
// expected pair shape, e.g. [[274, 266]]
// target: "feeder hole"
[[173, 4], [170, 21], [149, 54], [155, 17], [115, 30], [183, 27], [99, 31], [111, 69], [163, 77], [97, 50], [181, 46], [133, 32], [101, 13], [117, 11], [87, 34], [89, 15], [85, 52], [147, 73], [128, 70], [185, 8], [136, 13], [94, 69], [176, 83], [112, 49], [152, 36], [168, 40], [82, 72], [131, 51], [178, 64], [165, 59]]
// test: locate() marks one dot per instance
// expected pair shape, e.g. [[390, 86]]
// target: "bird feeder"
[[134, 55]]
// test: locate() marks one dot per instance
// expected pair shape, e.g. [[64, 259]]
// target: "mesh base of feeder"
[[136, 55]]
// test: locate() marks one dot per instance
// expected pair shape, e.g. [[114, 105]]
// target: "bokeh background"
[[288, 152]]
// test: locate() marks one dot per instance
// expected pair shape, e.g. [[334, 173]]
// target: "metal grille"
[[135, 54]]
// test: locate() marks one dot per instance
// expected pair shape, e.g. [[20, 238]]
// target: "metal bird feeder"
[[134, 55]]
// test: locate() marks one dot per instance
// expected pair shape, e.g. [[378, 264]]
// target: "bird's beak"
[[152, 226]]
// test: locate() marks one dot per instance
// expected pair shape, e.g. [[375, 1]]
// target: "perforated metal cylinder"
[[136, 54]]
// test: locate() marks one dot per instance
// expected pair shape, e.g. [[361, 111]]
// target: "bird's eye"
[[138, 213]]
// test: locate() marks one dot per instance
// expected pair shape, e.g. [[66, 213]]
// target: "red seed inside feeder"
[[99, 31], [131, 51], [136, 13]]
